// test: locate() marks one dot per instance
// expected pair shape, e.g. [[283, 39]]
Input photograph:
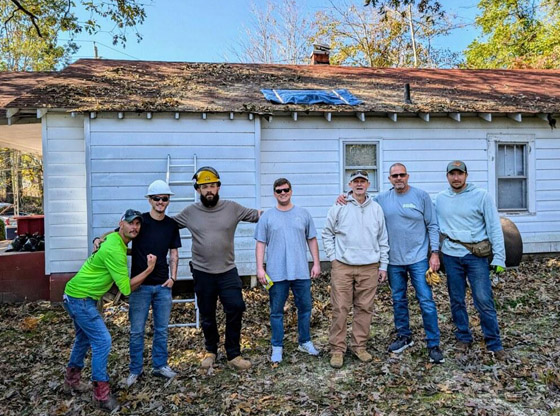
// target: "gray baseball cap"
[[456, 165]]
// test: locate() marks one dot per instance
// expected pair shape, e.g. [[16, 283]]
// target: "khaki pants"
[[352, 286]]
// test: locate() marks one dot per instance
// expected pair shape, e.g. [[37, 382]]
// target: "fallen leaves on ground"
[[35, 343]]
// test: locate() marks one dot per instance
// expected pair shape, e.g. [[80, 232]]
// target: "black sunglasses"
[[159, 198], [285, 190], [398, 175]]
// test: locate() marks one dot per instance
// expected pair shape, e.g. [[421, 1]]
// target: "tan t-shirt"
[[212, 232]]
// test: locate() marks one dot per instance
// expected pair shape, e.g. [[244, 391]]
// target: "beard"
[[209, 203]]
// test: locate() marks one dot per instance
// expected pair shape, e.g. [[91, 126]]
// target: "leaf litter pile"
[[35, 342]]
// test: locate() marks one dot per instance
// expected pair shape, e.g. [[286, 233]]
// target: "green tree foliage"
[[399, 37], [516, 34], [30, 29]]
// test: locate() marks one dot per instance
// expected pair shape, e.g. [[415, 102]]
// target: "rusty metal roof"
[[119, 85]]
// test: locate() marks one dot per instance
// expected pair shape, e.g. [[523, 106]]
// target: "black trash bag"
[[40, 242], [17, 243], [30, 244]]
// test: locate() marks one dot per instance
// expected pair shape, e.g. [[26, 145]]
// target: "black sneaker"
[[436, 356], [401, 344]]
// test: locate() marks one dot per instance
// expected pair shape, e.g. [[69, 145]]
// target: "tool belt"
[[481, 249]]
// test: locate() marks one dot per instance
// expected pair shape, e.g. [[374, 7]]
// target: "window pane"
[[510, 160], [361, 155], [511, 194]]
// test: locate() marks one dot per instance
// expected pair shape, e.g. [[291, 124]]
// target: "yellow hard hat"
[[205, 175]]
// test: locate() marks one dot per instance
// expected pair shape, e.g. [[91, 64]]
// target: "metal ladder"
[[183, 272]]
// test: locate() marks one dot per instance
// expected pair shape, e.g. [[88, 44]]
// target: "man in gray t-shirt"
[[285, 232], [412, 226]]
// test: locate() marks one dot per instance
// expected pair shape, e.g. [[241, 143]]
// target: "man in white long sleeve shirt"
[[355, 240]]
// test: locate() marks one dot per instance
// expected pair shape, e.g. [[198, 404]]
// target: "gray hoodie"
[[356, 234]]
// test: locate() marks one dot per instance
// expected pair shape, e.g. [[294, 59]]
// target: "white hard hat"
[[158, 187]]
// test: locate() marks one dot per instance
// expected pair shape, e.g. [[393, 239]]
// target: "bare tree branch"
[[31, 16]]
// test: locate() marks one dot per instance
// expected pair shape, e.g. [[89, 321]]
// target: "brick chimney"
[[320, 55]]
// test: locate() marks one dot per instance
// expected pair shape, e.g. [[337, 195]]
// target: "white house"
[[108, 127]]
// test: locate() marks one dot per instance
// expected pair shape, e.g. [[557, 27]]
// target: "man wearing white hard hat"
[[159, 236]]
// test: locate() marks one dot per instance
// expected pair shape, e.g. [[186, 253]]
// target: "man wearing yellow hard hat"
[[212, 223]]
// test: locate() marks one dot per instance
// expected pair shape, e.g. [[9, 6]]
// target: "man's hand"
[[261, 277], [168, 283], [382, 276], [151, 261], [341, 200], [316, 271], [434, 261], [97, 241]]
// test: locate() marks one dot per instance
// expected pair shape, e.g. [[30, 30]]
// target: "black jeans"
[[226, 286]]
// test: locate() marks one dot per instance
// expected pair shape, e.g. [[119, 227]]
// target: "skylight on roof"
[[332, 97]]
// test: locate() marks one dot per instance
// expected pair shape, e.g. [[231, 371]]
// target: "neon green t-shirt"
[[100, 270]]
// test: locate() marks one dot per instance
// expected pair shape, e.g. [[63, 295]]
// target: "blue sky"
[[206, 30]]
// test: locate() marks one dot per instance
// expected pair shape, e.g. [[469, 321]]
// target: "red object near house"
[[31, 224]]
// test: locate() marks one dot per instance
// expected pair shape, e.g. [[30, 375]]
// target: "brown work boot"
[[463, 346], [208, 360], [362, 355], [337, 359], [72, 381], [103, 398], [239, 363], [500, 355]]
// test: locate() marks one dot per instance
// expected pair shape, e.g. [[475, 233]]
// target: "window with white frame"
[[511, 175], [361, 155], [512, 172]]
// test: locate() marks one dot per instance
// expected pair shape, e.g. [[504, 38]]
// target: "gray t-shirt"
[[213, 230], [286, 233], [411, 225]]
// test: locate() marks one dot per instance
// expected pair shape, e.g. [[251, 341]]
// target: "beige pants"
[[352, 286]]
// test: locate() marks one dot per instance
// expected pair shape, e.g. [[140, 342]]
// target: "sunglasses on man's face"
[[398, 175], [285, 190], [159, 198]]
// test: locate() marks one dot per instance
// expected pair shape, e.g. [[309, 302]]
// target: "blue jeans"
[[398, 280], [475, 269], [90, 332], [139, 305], [301, 289]]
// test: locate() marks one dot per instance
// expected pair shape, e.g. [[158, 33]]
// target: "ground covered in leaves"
[[35, 342]]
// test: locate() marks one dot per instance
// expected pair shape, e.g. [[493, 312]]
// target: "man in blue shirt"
[[285, 232], [412, 227], [467, 215]]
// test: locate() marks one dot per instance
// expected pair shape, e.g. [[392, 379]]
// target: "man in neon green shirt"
[[106, 266]]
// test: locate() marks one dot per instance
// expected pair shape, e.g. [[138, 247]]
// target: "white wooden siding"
[[126, 155], [64, 193], [307, 153]]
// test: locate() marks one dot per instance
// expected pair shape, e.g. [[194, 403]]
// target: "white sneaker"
[[164, 371], [309, 348], [276, 356], [131, 379]]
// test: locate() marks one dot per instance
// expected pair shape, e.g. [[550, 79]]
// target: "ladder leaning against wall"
[[182, 188]]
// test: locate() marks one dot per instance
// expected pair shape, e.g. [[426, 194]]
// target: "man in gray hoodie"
[[356, 243]]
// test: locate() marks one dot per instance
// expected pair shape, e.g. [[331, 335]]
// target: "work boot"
[[208, 360], [239, 363], [72, 381], [103, 398], [337, 359], [362, 355], [500, 355], [463, 346]]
